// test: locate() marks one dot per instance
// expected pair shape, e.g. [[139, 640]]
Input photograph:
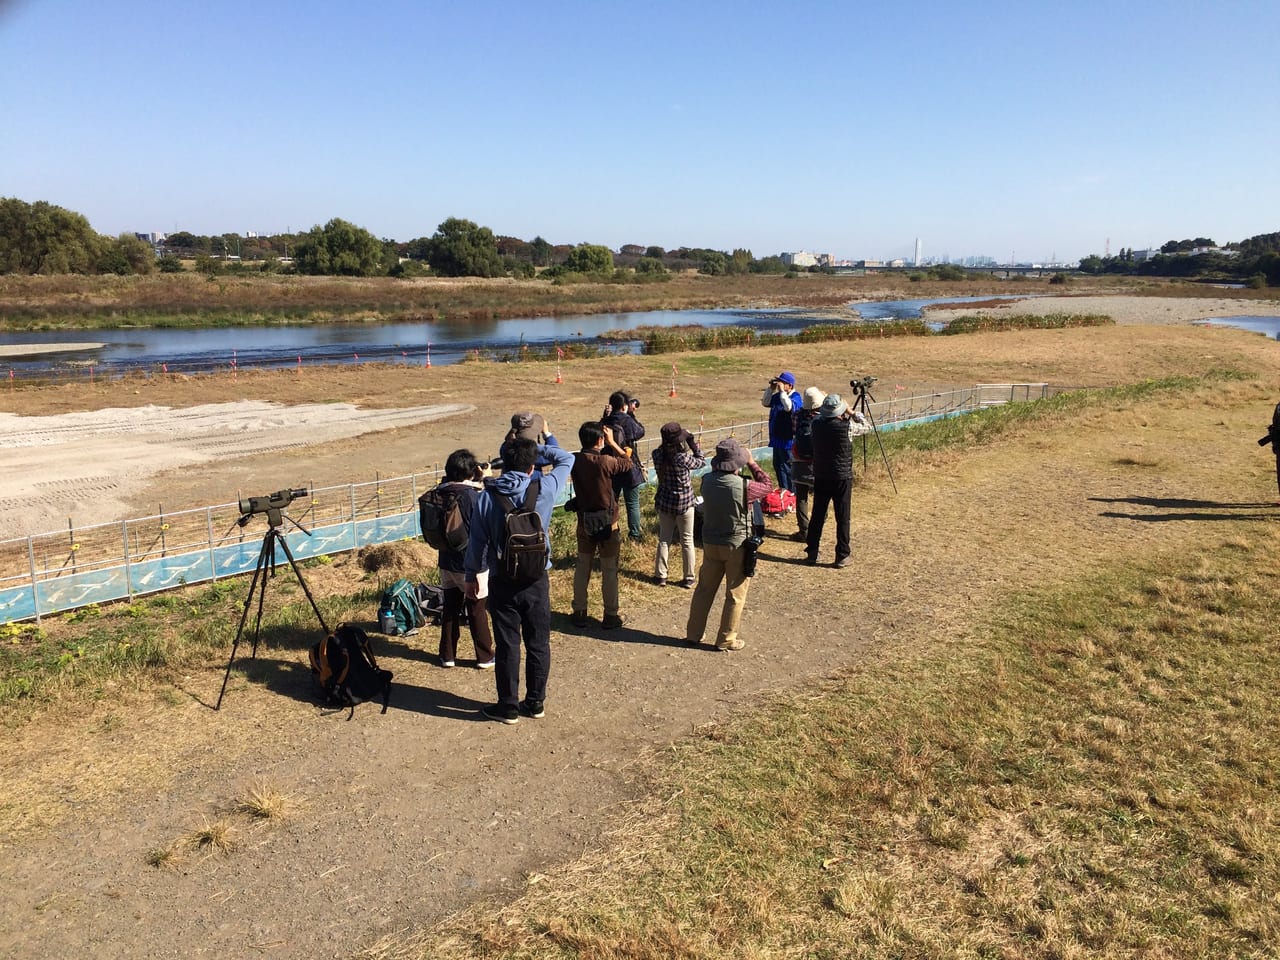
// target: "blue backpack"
[[399, 613]]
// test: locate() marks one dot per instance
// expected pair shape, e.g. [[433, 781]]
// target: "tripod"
[[266, 566], [861, 394]]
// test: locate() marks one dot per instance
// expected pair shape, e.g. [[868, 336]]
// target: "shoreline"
[[38, 349]]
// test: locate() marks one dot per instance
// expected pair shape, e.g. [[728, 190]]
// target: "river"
[[192, 349]]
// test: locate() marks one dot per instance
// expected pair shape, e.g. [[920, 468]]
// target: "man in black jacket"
[[833, 434], [620, 417]]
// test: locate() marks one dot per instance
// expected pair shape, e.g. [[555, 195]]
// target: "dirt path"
[[405, 817]]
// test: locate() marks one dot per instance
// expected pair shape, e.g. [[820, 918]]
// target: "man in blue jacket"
[[782, 400], [518, 611]]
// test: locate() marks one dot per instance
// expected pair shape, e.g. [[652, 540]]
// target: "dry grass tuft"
[[214, 837], [406, 558], [262, 801]]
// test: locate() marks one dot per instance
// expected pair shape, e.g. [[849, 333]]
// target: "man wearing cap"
[[782, 400], [726, 521], [802, 457], [533, 427], [674, 499], [833, 433]]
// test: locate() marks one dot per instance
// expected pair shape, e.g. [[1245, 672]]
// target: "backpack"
[[431, 603], [779, 503], [398, 611], [802, 445], [347, 672], [440, 516], [523, 555]]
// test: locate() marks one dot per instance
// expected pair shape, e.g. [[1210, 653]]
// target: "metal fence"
[[60, 571]]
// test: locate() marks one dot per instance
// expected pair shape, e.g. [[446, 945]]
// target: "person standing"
[[782, 400], [833, 433], [532, 426], [1273, 438], [594, 467], [520, 611], [620, 417], [726, 521], [674, 499], [463, 480], [802, 457]]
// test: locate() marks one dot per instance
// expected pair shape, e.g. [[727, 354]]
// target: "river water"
[[442, 341]]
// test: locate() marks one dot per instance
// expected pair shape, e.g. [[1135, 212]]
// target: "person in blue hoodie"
[[518, 611], [782, 400]]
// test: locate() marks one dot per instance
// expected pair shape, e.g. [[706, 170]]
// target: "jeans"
[[631, 499], [671, 525], [837, 493], [521, 613], [782, 467], [718, 563]]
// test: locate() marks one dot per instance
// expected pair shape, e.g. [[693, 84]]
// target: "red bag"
[[779, 503]]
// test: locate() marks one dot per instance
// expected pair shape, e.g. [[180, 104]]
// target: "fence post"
[[35, 592], [355, 530], [213, 557], [128, 574]]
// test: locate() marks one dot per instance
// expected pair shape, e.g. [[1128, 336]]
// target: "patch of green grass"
[[1091, 771]]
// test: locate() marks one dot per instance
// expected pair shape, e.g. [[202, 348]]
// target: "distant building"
[[155, 239], [800, 258]]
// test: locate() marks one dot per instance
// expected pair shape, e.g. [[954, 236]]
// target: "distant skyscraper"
[[916, 262]]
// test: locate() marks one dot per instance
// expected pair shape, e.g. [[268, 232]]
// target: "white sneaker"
[[446, 663], [485, 665]]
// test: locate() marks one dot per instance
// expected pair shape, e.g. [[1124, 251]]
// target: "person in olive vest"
[[726, 522]]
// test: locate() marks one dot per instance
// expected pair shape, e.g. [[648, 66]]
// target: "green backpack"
[[398, 612]]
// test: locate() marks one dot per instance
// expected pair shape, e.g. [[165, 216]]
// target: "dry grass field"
[[1035, 719]]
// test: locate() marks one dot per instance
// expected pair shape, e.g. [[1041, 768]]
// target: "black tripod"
[[861, 395], [266, 567]]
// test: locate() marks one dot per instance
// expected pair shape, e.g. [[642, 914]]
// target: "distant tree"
[[460, 248], [631, 250], [188, 244], [340, 248], [740, 261], [540, 252], [1091, 264], [768, 265], [42, 238], [713, 263], [515, 248], [1262, 243], [169, 264], [418, 248], [657, 253], [651, 265], [589, 258], [127, 254]]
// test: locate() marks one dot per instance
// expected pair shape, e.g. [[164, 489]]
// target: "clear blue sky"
[[850, 128]]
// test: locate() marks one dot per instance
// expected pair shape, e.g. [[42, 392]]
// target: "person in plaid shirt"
[[674, 499]]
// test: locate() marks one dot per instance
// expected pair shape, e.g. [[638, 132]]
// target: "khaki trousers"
[[608, 553], [718, 563]]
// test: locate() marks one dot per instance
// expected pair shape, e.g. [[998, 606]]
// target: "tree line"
[[41, 238], [1255, 261]]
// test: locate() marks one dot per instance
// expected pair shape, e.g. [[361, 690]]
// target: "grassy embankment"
[[1090, 772]]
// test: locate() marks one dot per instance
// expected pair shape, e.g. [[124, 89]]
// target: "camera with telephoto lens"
[[276, 501], [862, 384]]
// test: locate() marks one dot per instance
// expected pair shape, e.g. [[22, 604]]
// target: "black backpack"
[[347, 672], [523, 556], [440, 516], [802, 445]]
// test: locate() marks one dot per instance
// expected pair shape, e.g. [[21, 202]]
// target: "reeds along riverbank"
[[678, 339]]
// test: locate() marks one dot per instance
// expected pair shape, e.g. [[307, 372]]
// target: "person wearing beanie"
[[674, 499], [802, 457], [726, 523], [782, 400]]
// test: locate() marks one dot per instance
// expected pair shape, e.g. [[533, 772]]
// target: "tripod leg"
[[244, 616], [268, 570], [305, 589]]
